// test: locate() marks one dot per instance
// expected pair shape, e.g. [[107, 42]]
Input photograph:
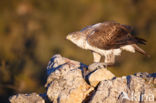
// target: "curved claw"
[[95, 66]]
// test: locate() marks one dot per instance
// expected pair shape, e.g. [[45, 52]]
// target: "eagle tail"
[[140, 40], [138, 49]]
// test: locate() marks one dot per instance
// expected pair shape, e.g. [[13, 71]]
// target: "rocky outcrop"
[[65, 82], [27, 98], [127, 89], [72, 82], [99, 75]]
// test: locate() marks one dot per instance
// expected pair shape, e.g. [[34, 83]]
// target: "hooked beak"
[[68, 37]]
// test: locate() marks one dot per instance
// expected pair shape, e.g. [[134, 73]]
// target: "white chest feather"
[[129, 48], [103, 52], [80, 43], [84, 44]]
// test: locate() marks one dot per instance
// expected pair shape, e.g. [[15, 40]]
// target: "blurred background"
[[32, 31]]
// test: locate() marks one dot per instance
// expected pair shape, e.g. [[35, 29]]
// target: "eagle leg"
[[96, 57], [109, 59]]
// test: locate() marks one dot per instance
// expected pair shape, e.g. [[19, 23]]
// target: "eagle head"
[[77, 38]]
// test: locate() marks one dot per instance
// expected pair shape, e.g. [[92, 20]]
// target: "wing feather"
[[111, 35]]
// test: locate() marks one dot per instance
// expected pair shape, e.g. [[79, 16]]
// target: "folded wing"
[[112, 35]]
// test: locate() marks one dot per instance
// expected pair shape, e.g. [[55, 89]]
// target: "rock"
[[66, 84], [26, 98], [70, 81], [57, 61], [127, 89], [99, 75]]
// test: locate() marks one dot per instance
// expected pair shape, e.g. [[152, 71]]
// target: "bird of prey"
[[107, 39]]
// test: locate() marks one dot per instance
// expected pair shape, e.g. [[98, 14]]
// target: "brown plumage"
[[112, 35], [107, 39]]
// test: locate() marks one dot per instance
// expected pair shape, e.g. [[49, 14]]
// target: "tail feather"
[[140, 40], [138, 49]]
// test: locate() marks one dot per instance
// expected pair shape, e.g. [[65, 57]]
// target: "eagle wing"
[[112, 35]]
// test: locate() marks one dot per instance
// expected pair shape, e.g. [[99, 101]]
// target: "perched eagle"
[[107, 39]]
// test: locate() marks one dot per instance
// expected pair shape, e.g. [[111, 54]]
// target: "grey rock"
[[66, 84], [99, 75], [127, 89], [26, 98]]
